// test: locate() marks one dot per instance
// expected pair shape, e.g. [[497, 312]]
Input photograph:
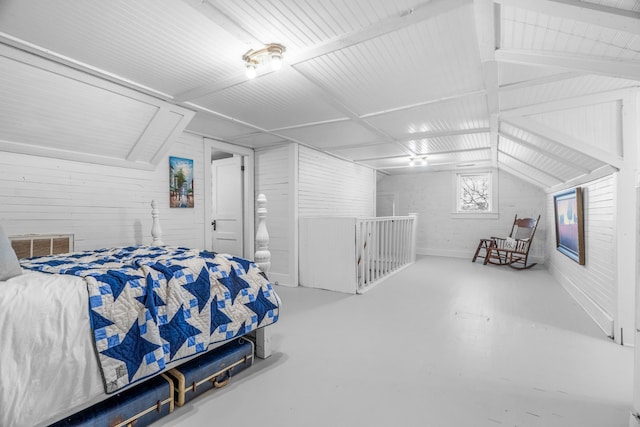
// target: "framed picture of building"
[[569, 219], [180, 182]]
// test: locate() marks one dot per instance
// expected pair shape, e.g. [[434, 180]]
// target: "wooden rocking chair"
[[513, 250]]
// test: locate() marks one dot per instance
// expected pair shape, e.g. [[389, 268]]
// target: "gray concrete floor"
[[444, 342]]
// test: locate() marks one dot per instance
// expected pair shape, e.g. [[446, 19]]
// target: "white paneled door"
[[226, 212]]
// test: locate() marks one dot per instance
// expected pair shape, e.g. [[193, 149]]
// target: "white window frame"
[[492, 212]]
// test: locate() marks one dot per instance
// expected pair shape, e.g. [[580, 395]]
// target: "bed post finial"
[[262, 256], [156, 231]]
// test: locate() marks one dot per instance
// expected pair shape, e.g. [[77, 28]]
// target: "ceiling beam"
[[333, 99], [575, 10], [430, 154], [73, 155], [62, 62], [421, 12], [560, 159], [441, 134], [570, 103], [592, 176], [494, 139], [482, 163], [487, 19], [530, 166], [219, 18], [553, 135], [624, 69], [522, 176], [553, 78], [234, 120], [458, 96]]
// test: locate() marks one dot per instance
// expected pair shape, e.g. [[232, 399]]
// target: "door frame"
[[248, 221]]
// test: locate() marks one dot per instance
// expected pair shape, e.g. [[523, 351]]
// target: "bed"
[[80, 326]]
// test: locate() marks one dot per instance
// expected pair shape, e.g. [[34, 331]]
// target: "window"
[[474, 193]]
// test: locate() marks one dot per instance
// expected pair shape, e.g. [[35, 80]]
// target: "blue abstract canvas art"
[[569, 224], [180, 182]]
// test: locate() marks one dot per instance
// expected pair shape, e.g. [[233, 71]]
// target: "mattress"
[[48, 365]]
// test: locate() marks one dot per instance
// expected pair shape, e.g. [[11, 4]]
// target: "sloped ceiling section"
[[50, 110], [534, 87], [565, 123]]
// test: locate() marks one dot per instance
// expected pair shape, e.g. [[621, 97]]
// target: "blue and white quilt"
[[150, 306]]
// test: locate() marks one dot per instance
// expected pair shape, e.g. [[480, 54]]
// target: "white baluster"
[[156, 231]]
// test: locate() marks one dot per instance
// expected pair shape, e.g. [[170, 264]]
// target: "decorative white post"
[[263, 256], [262, 259], [156, 231], [414, 236]]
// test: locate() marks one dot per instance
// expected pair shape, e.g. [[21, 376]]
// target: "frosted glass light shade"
[[251, 71], [276, 62]]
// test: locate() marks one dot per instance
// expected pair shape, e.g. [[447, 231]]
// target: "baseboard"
[[443, 252], [462, 254], [602, 318], [282, 280]]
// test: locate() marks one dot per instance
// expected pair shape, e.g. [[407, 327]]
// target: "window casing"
[[474, 193]]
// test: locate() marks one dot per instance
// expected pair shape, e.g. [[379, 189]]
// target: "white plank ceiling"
[[462, 83]]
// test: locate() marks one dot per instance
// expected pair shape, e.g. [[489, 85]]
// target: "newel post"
[[263, 256], [262, 259], [414, 236], [156, 231]]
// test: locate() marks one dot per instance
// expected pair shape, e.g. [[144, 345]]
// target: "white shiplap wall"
[[299, 181], [101, 205], [592, 285], [274, 178], [432, 194], [328, 186]]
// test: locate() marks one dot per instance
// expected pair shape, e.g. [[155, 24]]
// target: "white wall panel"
[[334, 187], [593, 285], [273, 178], [299, 181], [101, 205], [598, 125]]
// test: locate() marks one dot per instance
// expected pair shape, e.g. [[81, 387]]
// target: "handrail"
[[383, 218]]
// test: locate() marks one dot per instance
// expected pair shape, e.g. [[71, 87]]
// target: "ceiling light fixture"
[[270, 55], [422, 161]]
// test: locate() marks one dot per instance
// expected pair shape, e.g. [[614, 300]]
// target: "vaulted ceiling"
[[464, 83]]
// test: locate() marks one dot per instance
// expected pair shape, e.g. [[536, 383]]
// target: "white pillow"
[[510, 243], [9, 265]]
